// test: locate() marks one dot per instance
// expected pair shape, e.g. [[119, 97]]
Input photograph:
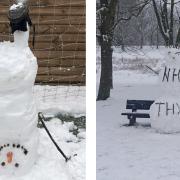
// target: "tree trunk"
[[142, 41], [107, 34], [178, 39], [106, 71], [157, 38], [164, 16], [111, 70], [171, 36], [161, 23]]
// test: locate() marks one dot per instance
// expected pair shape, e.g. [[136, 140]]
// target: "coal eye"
[[18, 146], [16, 165], [25, 152], [3, 164], [14, 145]]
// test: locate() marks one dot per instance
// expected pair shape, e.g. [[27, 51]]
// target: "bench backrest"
[[139, 104]]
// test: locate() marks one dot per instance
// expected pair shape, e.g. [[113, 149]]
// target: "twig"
[[42, 118], [152, 70]]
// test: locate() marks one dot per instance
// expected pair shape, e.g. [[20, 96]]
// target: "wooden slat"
[[78, 38], [55, 38], [50, 11], [59, 39], [68, 71], [49, 29], [60, 29], [49, 20], [59, 54], [60, 79], [58, 46], [47, 2], [61, 62], [61, 3]]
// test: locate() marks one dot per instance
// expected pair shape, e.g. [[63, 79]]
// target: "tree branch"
[[135, 11]]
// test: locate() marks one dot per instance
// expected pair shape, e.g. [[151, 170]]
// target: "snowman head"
[[19, 17], [12, 155]]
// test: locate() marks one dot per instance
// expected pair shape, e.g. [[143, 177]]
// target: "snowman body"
[[18, 114], [165, 112]]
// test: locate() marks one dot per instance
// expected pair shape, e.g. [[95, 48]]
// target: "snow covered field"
[[133, 153], [136, 59], [50, 164], [61, 99]]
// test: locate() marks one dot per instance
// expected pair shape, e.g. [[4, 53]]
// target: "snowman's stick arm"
[[42, 118], [152, 70]]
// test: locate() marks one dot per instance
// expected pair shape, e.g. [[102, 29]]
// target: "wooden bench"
[[135, 105]]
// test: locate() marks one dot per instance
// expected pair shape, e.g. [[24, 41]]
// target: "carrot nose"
[[9, 157]]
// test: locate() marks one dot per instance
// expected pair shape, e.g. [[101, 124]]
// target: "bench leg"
[[132, 120]]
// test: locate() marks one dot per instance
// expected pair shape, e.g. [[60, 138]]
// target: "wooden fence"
[[59, 39]]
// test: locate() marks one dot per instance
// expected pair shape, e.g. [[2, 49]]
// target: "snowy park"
[[141, 151], [138, 101]]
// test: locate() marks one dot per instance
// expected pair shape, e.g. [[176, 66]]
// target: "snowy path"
[[133, 153], [50, 164]]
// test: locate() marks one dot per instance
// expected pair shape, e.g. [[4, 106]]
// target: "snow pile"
[[165, 115], [169, 77], [22, 1], [50, 164], [15, 6], [165, 112], [18, 113]]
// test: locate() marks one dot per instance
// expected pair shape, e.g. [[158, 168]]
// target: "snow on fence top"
[[59, 39]]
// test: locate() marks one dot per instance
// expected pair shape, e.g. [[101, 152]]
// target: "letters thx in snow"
[[167, 108]]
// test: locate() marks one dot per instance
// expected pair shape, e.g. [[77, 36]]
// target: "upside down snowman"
[[18, 114], [165, 112]]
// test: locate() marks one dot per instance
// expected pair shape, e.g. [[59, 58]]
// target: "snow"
[[169, 78], [50, 164], [52, 100], [15, 6], [165, 110], [21, 38], [164, 115], [61, 99], [18, 113], [18, 132], [139, 152], [136, 59]]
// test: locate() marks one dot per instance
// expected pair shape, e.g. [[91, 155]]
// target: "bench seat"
[[135, 105], [137, 115]]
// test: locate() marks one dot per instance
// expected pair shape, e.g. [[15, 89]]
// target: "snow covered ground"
[[134, 58], [133, 153], [61, 99], [50, 164]]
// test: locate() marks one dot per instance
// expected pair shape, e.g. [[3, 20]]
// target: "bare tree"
[[178, 33], [165, 18], [107, 14], [108, 19]]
